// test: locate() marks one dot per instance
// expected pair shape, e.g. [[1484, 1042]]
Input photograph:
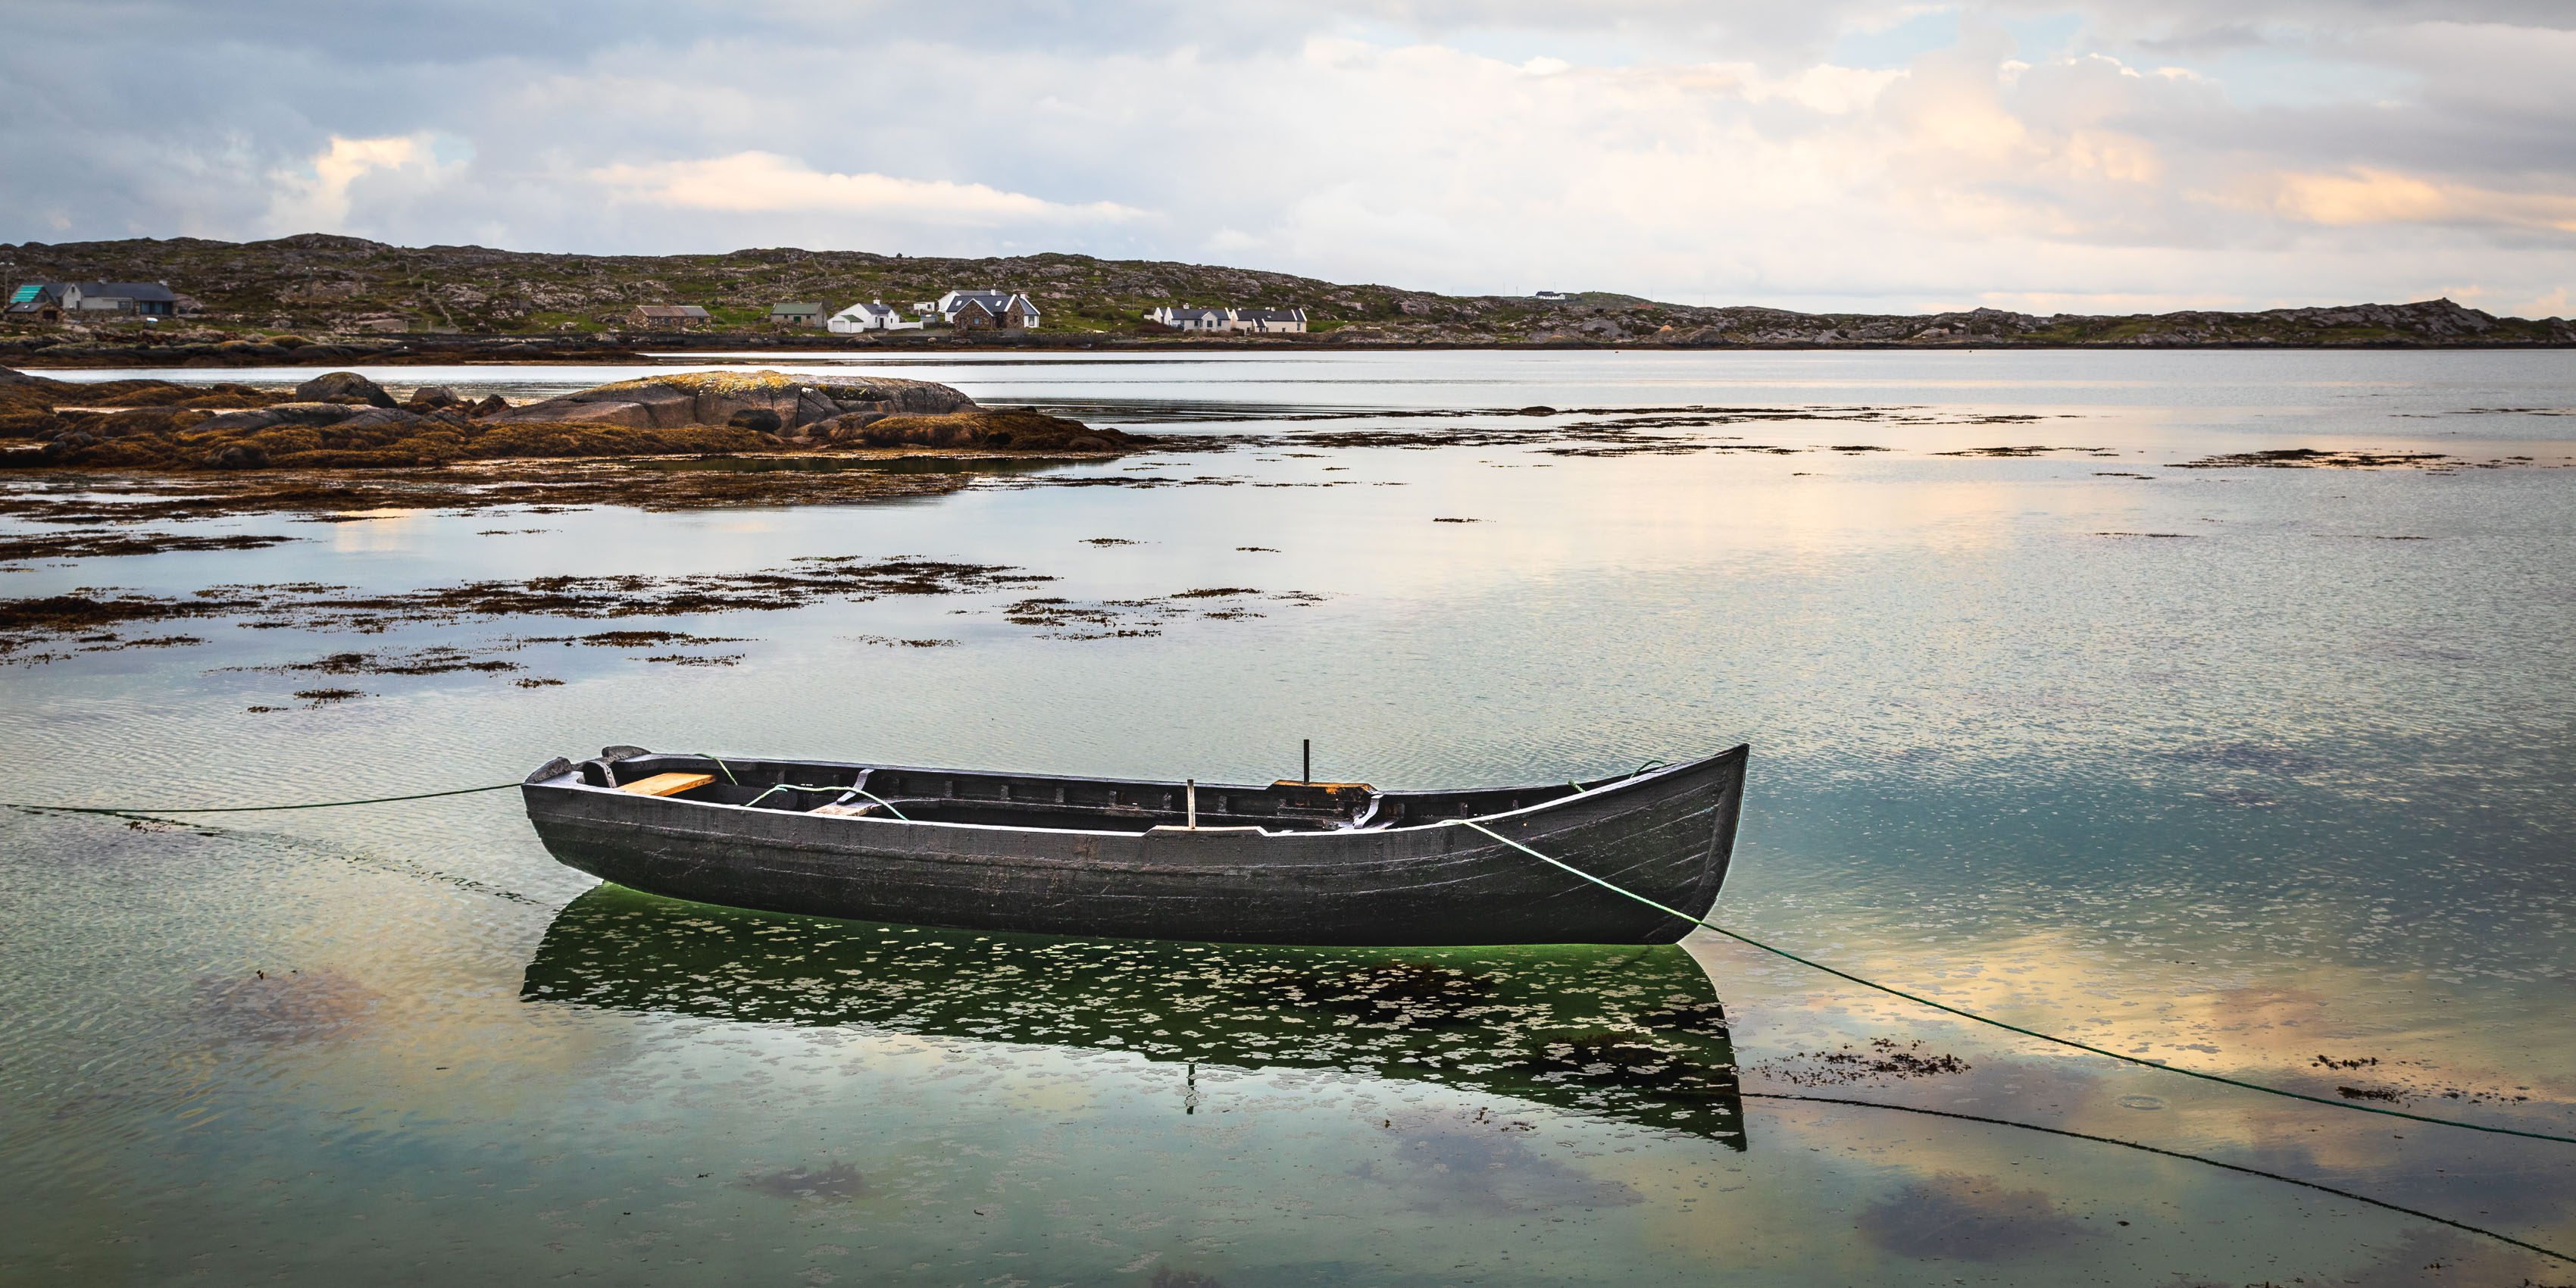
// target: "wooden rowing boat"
[[1290, 863]]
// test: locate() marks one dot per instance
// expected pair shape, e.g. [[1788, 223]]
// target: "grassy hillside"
[[317, 282], [321, 284]]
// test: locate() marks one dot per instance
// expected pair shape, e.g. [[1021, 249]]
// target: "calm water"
[[2295, 782]]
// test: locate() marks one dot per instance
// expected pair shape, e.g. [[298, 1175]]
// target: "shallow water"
[[2288, 783]]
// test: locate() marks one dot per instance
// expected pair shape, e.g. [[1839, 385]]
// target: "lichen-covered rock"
[[313, 414], [431, 397], [147, 425], [714, 397], [332, 386]]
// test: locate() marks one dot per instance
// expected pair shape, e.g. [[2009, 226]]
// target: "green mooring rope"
[[258, 809], [846, 791], [263, 809], [2010, 1028]]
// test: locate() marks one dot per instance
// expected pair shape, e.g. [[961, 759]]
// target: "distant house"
[[1551, 297], [987, 310], [666, 315], [1271, 321], [1289, 321], [796, 315], [143, 299], [875, 315], [150, 299], [37, 301], [1189, 318]]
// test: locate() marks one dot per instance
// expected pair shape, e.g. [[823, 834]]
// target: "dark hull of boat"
[[1667, 835]]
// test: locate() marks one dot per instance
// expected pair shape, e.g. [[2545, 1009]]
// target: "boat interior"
[[1042, 802]]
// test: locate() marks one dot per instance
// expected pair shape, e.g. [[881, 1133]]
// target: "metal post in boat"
[[1193, 791], [1309, 768]]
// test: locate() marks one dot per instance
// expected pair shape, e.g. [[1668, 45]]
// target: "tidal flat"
[[2212, 707]]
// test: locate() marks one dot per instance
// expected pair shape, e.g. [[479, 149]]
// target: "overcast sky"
[[2104, 155]]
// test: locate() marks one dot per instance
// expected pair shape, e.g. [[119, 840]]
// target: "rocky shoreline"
[[343, 420], [2359, 327]]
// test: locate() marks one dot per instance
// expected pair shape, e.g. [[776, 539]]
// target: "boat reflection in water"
[[1635, 1033]]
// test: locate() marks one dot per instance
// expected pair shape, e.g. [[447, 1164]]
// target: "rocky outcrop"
[[312, 415], [800, 405], [153, 425], [343, 386]]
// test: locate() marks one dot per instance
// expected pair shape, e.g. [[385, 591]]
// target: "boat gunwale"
[[1582, 794]]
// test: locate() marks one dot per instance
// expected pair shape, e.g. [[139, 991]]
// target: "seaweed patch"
[[105, 544], [437, 660], [1882, 1059], [1066, 619], [2303, 458], [2030, 451]]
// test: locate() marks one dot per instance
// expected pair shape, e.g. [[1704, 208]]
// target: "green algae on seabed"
[[1634, 1033]]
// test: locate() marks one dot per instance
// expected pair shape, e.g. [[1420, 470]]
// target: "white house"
[[1187, 318], [1005, 310], [875, 315], [1261, 321], [1271, 321], [151, 299]]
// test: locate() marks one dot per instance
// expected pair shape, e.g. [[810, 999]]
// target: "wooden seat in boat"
[[666, 784]]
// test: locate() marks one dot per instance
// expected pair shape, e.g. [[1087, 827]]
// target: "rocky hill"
[[318, 285]]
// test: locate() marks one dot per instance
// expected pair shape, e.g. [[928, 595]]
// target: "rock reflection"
[[1478, 1161], [1957, 1215], [291, 1006], [1633, 1033]]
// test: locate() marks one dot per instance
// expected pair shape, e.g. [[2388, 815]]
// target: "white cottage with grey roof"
[[875, 315], [1190, 318], [150, 299], [1291, 321], [1008, 310], [1186, 317]]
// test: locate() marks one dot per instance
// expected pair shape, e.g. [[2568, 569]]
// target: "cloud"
[[315, 197], [766, 183], [1878, 154], [2367, 196]]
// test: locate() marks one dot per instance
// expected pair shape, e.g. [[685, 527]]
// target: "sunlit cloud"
[[315, 196], [2367, 196], [766, 183]]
